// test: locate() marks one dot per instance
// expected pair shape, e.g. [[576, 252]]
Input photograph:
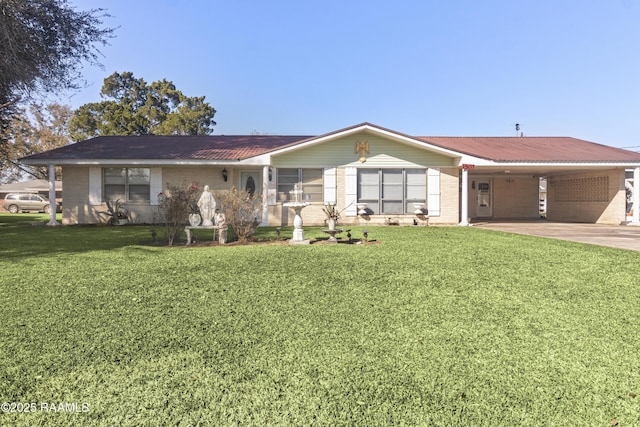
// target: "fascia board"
[[261, 160], [477, 161], [565, 164]]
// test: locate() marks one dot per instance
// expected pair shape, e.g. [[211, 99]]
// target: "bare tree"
[[40, 128]]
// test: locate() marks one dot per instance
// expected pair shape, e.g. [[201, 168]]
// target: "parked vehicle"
[[25, 202]]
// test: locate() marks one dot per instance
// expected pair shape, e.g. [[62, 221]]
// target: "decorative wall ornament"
[[362, 148]]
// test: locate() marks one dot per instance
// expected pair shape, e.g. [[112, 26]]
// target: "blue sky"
[[450, 68]]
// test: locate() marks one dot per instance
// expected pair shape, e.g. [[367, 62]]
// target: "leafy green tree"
[[33, 130], [43, 46], [133, 107]]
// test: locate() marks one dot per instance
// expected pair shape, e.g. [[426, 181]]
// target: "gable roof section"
[[162, 147], [533, 149], [369, 128]]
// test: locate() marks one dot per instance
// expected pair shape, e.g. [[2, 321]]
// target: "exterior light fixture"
[[225, 174], [270, 174], [365, 233]]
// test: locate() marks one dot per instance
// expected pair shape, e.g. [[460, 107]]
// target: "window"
[[392, 191], [127, 184], [311, 180]]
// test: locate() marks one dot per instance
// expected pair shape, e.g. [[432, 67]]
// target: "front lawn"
[[445, 326], [24, 218]]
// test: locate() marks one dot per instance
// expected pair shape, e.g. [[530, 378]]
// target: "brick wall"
[[596, 197]]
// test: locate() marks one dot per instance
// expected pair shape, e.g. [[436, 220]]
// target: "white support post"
[[464, 203], [635, 218], [265, 196], [52, 196]]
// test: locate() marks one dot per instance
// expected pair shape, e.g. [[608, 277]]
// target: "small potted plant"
[[333, 215], [116, 212]]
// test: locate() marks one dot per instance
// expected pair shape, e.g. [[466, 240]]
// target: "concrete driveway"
[[617, 236]]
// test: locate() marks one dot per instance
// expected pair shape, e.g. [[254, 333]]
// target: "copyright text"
[[19, 407]]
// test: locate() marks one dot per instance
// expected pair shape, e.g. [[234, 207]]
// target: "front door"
[[484, 207], [251, 182]]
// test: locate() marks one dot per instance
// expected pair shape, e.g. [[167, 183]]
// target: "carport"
[[575, 193], [500, 178]]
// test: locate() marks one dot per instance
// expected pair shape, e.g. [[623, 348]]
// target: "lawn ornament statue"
[[207, 206]]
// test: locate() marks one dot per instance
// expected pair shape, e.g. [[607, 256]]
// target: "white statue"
[[207, 206]]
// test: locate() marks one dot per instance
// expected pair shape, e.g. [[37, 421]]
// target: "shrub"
[[242, 212], [176, 203]]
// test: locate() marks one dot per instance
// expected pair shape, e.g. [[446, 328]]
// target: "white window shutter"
[[350, 191], [329, 181], [95, 186], [155, 185], [433, 191]]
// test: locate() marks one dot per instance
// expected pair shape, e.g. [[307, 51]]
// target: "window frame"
[[283, 188], [127, 184], [377, 205]]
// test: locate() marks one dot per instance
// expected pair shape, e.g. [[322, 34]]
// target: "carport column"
[[265, 196], [52, 195], [464, 208], [635, 218]]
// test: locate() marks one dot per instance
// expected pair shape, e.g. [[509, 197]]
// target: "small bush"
[[242, 211], [176, 203]]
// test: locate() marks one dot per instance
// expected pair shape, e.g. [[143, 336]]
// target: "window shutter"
[[95, 186], [155, 185], [433, 192], [350, 191], [330, 185]]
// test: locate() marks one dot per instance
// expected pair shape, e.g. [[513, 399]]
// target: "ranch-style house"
[[374, 175]]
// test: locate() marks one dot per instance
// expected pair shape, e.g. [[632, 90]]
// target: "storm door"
[[484, 208]]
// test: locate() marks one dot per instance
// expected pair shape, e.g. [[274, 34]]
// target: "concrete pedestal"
[[222, 233]]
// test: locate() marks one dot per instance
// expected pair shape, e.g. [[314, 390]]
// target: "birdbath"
[[297, 205], [332, 233]]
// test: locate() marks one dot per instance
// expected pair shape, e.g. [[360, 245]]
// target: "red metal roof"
[[240, 147], [182, 147], [533, 149]]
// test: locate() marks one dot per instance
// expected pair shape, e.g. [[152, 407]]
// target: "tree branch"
[[10, 103]]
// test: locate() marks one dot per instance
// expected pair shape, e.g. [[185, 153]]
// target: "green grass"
[[434, 326], [24, 218]]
